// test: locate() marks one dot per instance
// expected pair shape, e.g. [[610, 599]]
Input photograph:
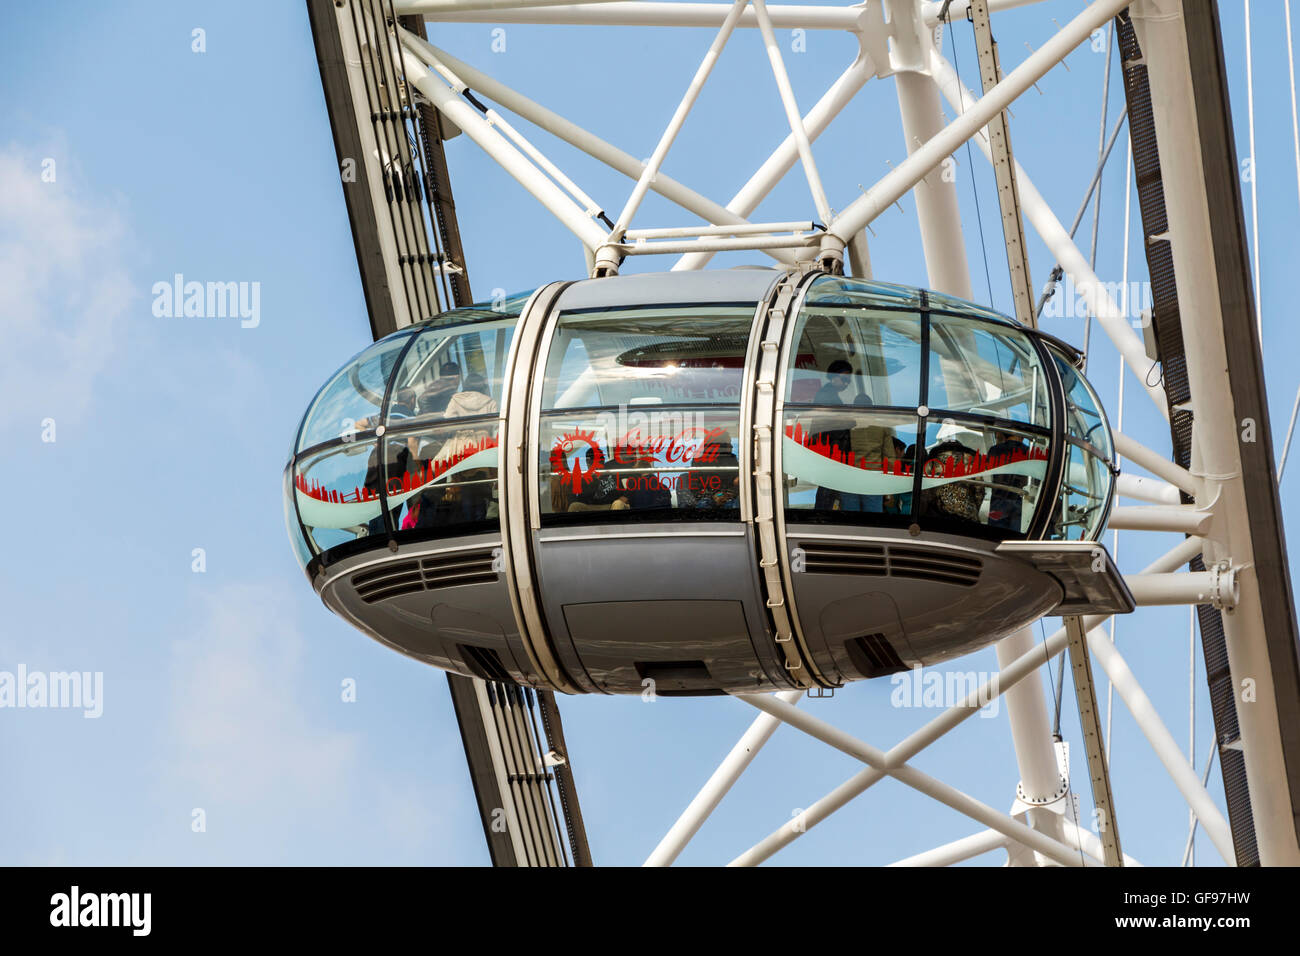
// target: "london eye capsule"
[[723, 481]]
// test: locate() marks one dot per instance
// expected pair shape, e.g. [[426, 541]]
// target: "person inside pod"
[[601, 492], [951, 499], [716, 488], [438, 393], [1006, 500], [839, 374]]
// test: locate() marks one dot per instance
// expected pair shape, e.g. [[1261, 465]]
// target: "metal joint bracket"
[[1225, 590], [1063, 787], [606, 262]]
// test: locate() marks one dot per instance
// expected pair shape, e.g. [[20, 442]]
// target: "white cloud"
[[249, 738], [243, 734], [63, 288]]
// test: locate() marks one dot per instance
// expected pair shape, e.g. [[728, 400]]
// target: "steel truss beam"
[[634, 14], [1090, 720], [1054, 236], [881, 765], [1004, 168], [576, 136]]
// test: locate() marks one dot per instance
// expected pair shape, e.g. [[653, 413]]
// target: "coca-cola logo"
[[693, 445], [576, 456]]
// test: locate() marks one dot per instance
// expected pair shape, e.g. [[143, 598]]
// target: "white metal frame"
[[903, 47]]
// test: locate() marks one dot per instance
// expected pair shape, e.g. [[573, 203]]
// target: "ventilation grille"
[[844, 558], [926, 564], [424, 574], [873, 655]]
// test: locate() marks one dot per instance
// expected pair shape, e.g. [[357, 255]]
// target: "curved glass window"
[[337, 494], [849, 464], [978, 474], [854, 449], [350, 402], [1084, 419], [984, 368], [848, 355], [1087, 485], [648, 356], [452, 373], [436, 457], [641, 413], [640, 420], [443, 476], [300, 550]]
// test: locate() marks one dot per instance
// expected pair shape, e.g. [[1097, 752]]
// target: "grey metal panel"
[[431, 624], [852, 616], [1088, 588], [666, 288], [614, 637], [579, 566], [941, 618]]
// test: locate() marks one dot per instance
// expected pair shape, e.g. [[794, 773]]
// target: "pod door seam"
[[515, 479], [772, 559]]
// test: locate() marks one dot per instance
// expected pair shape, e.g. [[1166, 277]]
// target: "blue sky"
[[222, 689]]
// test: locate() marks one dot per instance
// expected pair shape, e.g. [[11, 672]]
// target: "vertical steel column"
[[1090, 720], [1004, 169], [937, 209], [1192, 121]]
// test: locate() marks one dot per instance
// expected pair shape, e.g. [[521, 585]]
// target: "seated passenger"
[[645, 489], [1005, 506], [601, 492], [561, 495], [838, 375], [895, 450], [716, 488], [836, 438], [954, 499], [869, 446], [473, 399], [464, 496], [436, 397]]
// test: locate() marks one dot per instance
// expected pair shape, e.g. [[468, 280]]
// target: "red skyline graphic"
[[951, 467], [409, 481]]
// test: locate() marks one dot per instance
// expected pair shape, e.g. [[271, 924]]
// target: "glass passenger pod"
[[902, 411], [401, 442]]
